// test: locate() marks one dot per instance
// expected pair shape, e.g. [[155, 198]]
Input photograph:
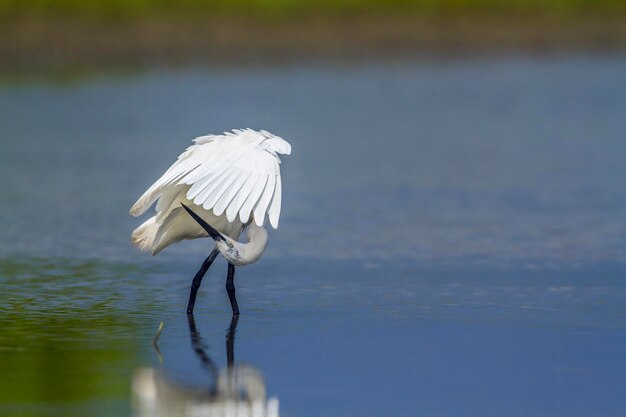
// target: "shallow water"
[[452, 241]]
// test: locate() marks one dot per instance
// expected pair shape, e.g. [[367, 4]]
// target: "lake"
[[452, 243]]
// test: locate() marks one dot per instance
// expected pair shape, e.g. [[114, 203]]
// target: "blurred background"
[[74, 35], [453, 233]]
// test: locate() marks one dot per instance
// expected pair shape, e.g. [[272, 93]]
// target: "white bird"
[[218, 187]]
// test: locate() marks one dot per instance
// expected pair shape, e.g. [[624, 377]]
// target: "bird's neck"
[[257, 240], [240, 253]]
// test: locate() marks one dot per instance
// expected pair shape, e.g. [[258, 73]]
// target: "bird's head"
[[235, 252]]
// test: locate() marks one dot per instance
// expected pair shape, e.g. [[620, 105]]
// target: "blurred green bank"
[[289, 7]]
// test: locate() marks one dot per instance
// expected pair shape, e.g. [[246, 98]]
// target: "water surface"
[[452, 240]]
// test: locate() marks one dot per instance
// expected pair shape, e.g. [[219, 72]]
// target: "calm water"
[[453, 243]]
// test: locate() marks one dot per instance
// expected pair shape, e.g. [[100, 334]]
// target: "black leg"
[[230, 288], [230, 342], [197, 280]]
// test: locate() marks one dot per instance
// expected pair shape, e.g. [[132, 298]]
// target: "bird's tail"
[[143, 237]]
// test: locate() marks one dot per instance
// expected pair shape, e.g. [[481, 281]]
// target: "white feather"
[[264, 201], [234, 176], [274, 210], [248, 205]]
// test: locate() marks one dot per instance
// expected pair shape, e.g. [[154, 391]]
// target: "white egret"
[[218, 187]]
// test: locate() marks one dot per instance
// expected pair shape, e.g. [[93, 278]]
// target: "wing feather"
[[248, 205], [233, 174], [211, 184], [219, 188], [225, 200], [264, 201], [235, 206], [274, 210], [185, 164]]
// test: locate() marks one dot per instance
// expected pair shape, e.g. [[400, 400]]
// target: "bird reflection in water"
[[238, 390]]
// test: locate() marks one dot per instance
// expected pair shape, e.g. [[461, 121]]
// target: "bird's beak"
[[217, 236]]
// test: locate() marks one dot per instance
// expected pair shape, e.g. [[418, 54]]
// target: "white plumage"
[[230, 180]]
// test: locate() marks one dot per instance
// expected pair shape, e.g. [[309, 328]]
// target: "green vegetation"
[[69, 337], [130, 8], [80, 35]]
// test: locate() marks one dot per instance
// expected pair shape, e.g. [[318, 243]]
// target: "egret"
[[219, 187]]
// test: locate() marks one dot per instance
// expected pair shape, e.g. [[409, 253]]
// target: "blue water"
[[452, 240]]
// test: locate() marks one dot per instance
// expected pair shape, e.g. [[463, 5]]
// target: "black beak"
[[217, 236]]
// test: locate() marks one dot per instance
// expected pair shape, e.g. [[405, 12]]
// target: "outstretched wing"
[[236, 173]]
